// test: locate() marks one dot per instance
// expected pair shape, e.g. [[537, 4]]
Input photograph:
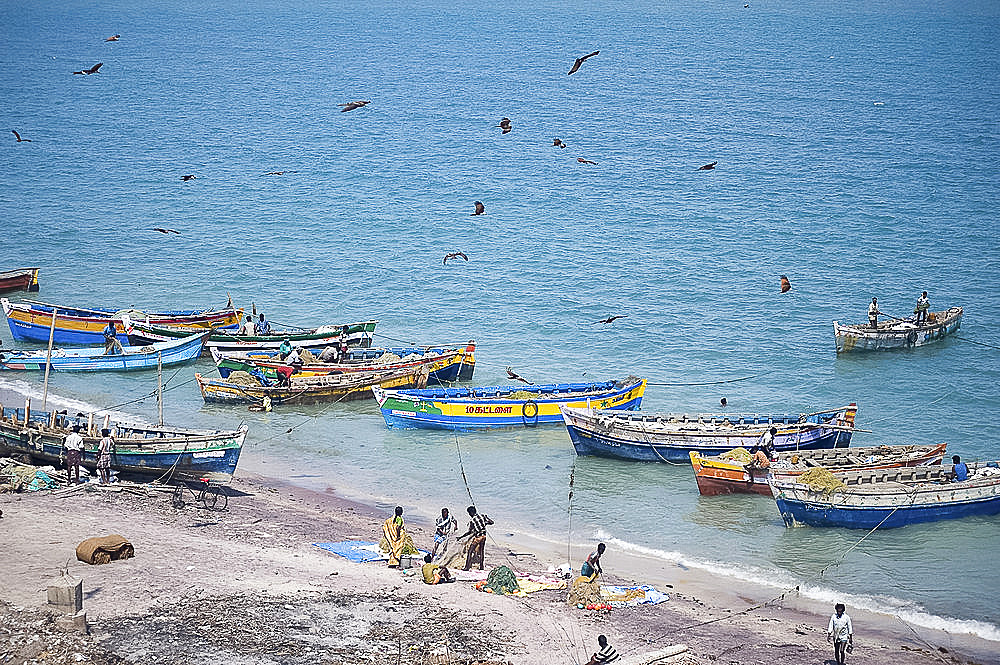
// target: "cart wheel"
[[177, 498]]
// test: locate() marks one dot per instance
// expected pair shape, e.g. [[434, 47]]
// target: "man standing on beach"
[[477, 541], [591, 568], [104, 449], [444, 527], [841, 632], [74, 453], [607, 653]]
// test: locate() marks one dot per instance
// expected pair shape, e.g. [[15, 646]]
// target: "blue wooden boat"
[[93, 359], [139, 449], [889, 498], [671, 437], [502, 406]]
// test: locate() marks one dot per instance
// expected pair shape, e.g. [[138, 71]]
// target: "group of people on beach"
[[435, 567], [73, 445]]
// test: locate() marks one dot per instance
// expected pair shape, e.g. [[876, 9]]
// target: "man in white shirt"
[[841, 633], [74, 453]]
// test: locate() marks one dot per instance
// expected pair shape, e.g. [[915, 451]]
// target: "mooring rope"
[[702, 383]]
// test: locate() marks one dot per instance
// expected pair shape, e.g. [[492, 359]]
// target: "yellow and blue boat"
[[502, 406]]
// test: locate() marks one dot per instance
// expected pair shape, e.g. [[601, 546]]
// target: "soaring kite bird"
[[517, 377], [18, 137], [185, 178], [113, 38], [504, 125], [480, 209], [353, 105], [579, 61], [557, 143], [786, 286], [166, 230], [611, 319], [707, 167], [92, 70], [455, 255], [585, 161]]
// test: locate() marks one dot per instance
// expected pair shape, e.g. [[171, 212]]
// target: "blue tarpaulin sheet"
[[358, 551]]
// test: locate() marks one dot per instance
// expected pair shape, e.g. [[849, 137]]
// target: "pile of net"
[[738, 455], [821, 480], [104, 549], [408, 546], [523, 394], [17, 477], [501, 581], [242, 378], [306, 356], [584, 592]]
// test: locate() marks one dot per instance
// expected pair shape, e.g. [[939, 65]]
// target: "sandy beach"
[[246, 585]]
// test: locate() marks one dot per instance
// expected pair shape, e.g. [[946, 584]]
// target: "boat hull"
[[896, 335], [359, 334], [93, 359], [472, 408], [25, 279], [309, 390], [641, 438], [30, 321], [138, 449]]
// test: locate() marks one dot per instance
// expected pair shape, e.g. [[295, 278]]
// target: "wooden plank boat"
[[30, 321], [897, 333], [138, 448], [309, 389], [670, 437], [889, 498], [228, 341], [727, 474], [450, 364], [502, 406], [22, 279], [93, 359]]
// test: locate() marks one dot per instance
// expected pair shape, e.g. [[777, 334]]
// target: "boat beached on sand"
[[728, 473], [502, 406], [670, 437], [897, 333]]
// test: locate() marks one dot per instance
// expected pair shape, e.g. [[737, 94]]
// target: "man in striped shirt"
[[607, 654], [477, 542]]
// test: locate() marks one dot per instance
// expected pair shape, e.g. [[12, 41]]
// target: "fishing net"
[[502, 580], [584, 592], [17, 477], [387, 359], [821, 480], [306, 356], [739, 455], [523, 394], [242, 378]]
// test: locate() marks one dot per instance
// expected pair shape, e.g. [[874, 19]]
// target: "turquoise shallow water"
[[815, 180]]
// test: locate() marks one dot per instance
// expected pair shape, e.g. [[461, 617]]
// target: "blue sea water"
[[855, 144]]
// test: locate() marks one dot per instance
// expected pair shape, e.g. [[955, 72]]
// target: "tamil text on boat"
[[502, 406], [670, 437], [896, 333], [732, 473], [22, 279], [93, 359]]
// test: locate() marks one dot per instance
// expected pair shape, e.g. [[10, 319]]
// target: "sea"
[[856, 145]]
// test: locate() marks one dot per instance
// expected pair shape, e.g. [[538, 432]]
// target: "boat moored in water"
[[229, 341], [95, 359], [22, 279], [897, 333]]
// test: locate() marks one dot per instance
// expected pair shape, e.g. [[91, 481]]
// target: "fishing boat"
[[728, 473], [889, 498], [502, 406], [897, 333], [139, 449], [244, 389], [33, 321], [451, 363], [22, 279], [229, 341], [670, 437], [94, 359]]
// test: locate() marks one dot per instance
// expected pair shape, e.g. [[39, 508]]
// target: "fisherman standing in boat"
[[873, 313], [923, 304], [111, 344]]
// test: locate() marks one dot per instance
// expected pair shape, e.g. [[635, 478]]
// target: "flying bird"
[[113, 38], [707, 167], [786, 286], [579, 61], [279, 172], [611, 319], [517, 377], [585, 161], [504, 125], [455, 255], [185, 178], [167, 231], [92, 70], [557, 143], [350, 106], [18, 137], [480, 209]]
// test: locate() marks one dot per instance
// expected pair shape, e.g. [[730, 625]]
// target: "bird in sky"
[[455, 255], [480, 208], [557, 143], [350, 106], [585, 161], [166, 230], [579, 61], [505, 125], [517, 377], [18, 137], [185, 178], [707, 167], [786, 286], [92, 70], [279, 172], [113, 38], [611, 319]]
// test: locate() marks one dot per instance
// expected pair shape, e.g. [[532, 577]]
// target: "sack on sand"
[[104, 549]]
